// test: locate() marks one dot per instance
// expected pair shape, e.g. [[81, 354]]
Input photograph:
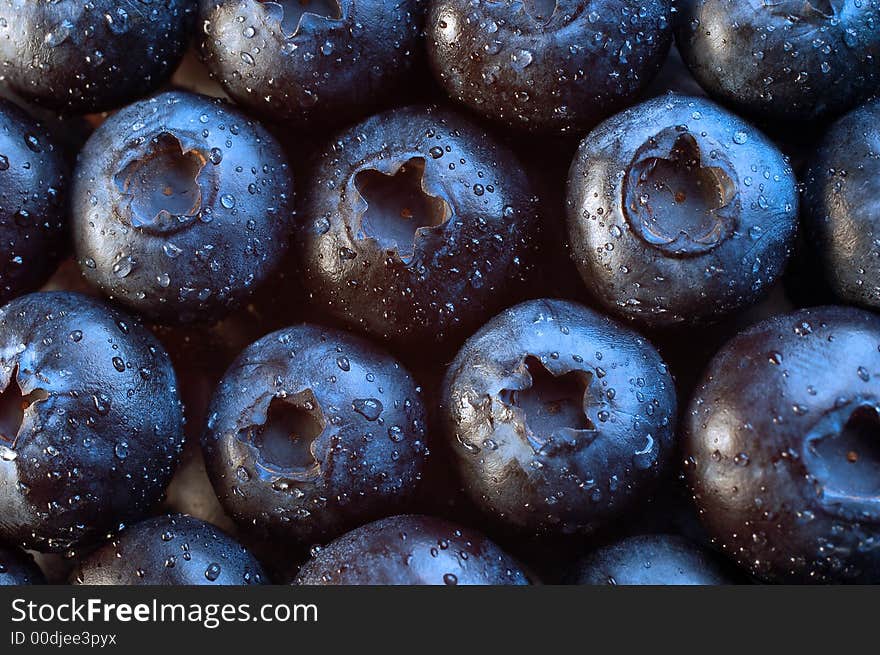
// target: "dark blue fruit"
[[559, 419], [90, 420], [18, 568], [313, 432], [782, 447], [181, 207], [783, 60], [170, 550], [842, 207], [417, 226], [547, 65], [308, 62], [33, 203], [411, 550], [679, 212], [651, 560], [75, 56]]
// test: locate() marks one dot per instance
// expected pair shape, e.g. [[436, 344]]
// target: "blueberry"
[[783, 61], [181, 207], [411, 550], [33, 203], [18, 568], [560, 420], [679, 212], [90, 420], [81, 57], [651, 560], [842, 209], [782, 450], [548, 65], [313, 432], [313, 62], [170, 550], [416, 227]]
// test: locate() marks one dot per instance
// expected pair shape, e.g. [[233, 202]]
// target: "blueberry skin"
[[80, 57], [651, 560], [545, 65], [428, 260], [33, 203], [411, 550], [781, 450], [170, 550], [559, 419], [662, 240], [101, 429], [360, 426], [842, 210], [328, 62], [787, 61], [18, 568], [181, 207]]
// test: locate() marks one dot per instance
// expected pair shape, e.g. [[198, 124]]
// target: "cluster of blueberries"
[[439, 291]]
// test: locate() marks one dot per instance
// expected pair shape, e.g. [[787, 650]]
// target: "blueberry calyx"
[[681, 194], [842, 456], [294, 15], [397, 207], [286, 437], [14, 402], [162, 185], [542, 403]]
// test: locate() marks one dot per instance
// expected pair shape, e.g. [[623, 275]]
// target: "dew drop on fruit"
[[171, 250], [102, 403], [369, 408], [121, 450], [212, 572]]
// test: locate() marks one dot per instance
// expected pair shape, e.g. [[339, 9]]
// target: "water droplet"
[[121, 450], [212, 572], [33, 143], [322, 225], [369, 408], [59, 34], [171, 250], [102, 403], [124, 267]]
